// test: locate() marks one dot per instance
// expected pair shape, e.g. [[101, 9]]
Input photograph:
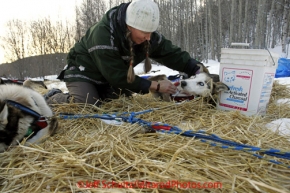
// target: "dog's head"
[[201, 84]]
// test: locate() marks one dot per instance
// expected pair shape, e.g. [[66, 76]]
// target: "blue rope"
[[226, 144]]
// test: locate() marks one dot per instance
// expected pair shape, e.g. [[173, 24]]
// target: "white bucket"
[[249, 73]]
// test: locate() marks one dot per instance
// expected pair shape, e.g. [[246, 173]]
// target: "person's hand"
[[165, 86]]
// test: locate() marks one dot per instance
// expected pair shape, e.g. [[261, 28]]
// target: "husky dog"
[[18, 107], [200, 84]]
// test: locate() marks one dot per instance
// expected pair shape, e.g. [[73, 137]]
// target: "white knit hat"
[[143, 15]]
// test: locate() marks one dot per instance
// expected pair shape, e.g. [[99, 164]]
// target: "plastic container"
[[249, 73], [283, 69]]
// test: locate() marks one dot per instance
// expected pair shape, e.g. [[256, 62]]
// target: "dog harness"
[[39, 120]]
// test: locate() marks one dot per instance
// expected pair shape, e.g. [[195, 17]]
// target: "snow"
[[56, 84], [281, 126], [213, 67], [278, 50]]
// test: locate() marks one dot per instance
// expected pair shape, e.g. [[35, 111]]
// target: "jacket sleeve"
[[191, 67], [115, 69], [164, 52]]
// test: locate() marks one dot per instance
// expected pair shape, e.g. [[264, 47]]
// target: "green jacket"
[[102, 55]]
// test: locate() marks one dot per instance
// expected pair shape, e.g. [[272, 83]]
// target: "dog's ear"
[[215, 77], [202, 68], [3, 113], [218, 87]]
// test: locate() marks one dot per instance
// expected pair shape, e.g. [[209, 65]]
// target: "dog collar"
[[29, 132], [40, 121]]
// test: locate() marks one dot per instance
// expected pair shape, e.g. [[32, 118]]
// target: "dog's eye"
[[200, 83]]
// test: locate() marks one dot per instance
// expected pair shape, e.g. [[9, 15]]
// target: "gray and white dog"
[[18, 107]]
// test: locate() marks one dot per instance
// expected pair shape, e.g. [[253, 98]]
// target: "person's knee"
[[83, 92], [82, 99]]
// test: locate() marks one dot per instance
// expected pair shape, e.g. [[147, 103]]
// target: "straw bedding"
[[87, 150]]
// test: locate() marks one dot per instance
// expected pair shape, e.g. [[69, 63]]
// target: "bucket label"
[[266, 92], [239, 81]]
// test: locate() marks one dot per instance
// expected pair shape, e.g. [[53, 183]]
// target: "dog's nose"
[[183, 84]]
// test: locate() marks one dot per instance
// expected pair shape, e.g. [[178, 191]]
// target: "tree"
[[15, 41], [90, 12], [239, 38], [219, 42], [210, 25], [39, 30], [246, 24], [285, 25], [202, 29], [259, 35], [270, 25], [232, 23]]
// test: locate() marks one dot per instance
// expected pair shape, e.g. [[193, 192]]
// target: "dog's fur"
[[36, 85], [14, 123], [200, 84]]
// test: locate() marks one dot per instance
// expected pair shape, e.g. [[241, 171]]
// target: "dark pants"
[[85, 92]]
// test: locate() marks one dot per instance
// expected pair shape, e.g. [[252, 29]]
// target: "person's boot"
[[56, 96], [51, 93]]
